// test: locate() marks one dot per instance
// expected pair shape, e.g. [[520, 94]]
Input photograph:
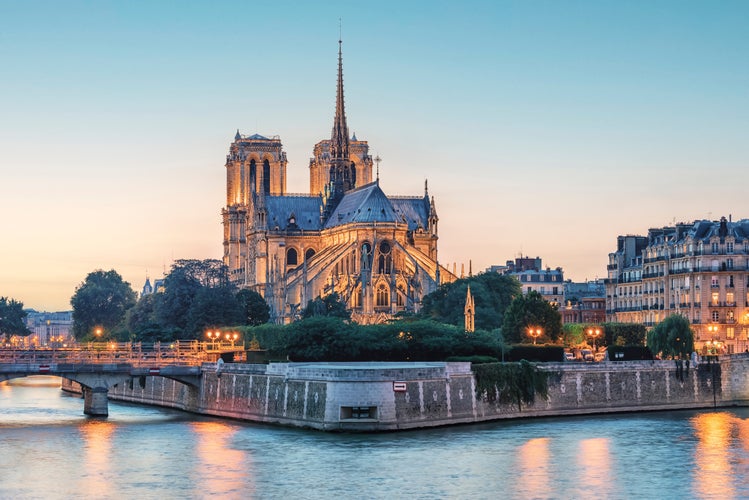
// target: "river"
[[50, 450]]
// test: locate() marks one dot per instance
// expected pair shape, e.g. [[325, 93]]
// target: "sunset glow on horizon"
[[544, 129]]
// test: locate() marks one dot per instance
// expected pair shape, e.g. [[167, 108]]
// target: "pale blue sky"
[[546, 128]]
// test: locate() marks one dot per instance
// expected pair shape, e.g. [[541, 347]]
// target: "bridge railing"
[[136, 353]]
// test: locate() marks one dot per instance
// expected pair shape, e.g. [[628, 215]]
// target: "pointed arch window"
[[383, 295], [291, 257], [253, 176], [309, 253], [266, 176]]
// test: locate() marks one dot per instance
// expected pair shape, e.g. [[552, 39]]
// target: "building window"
[[383, 298], [729, 247], [729, 263], [714, 299], [309, 253], [730, 333], [715, 316], [291, 257], [714, 282], [715, 247]]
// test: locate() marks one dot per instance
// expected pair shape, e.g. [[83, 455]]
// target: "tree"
[[531, 310], [100, 301], [12, 318], [330, 305], [197, 293], [672, 338], [492, 295], [255, 310]]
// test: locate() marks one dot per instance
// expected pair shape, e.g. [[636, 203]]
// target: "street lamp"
[[594, 333], [98, 332], [535, 332], [213, 336]]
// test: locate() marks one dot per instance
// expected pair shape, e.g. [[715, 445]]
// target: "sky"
[[544, 128]]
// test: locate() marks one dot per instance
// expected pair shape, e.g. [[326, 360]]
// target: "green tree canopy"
[[12, 318], [255, 310], [197, 294], [672, 338], [330, 305], [100, 301], [531, 310], [492, 295]]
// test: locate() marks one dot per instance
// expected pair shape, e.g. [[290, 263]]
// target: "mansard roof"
[[305, 209], [365, 204]]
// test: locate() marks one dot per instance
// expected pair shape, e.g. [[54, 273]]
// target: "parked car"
[[587, 354], [568, 356]]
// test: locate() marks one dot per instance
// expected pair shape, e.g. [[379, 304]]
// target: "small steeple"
[[237, 136], [469, 311]]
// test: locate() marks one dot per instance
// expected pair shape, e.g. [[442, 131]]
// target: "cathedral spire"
[[343, 176], [339, 147]]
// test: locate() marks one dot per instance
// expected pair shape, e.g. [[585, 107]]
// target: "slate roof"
[[365, 204], [306, 210], [412, 211]]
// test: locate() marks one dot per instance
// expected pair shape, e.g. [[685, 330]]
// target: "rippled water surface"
[[48, 449]]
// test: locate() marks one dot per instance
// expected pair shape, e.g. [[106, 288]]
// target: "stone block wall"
[[362, 396]]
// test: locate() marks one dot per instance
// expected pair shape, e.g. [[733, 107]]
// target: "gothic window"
[[253, 176], [383, 297], [309, 253], [291, 257], [266, 176]]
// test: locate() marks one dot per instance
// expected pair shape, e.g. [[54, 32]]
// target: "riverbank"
[[393, 396]]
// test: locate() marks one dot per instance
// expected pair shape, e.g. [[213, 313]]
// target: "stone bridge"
[[98, 370]]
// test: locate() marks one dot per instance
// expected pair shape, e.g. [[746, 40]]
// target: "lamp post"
[[594, 333], [712, 330], [535, 332], [212, 336]]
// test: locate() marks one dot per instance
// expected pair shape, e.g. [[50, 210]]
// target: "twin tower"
[[378, 253]]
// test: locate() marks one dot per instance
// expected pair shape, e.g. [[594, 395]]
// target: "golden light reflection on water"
[[97, 446], [222, 470], [533, 458], [713, 474], [594, 460]]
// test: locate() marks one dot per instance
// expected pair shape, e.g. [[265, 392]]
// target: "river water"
[[49, 450]]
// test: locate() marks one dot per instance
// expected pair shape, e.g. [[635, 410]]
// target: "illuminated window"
[[730, 333], [715, 298]]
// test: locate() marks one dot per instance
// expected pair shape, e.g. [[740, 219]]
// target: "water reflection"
[[713, 474], [533, 461], [221, 469], [594, 460], [97, 448]]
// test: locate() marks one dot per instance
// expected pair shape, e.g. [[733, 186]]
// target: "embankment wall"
[[391, 396]]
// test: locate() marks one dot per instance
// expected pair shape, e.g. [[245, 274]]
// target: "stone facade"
[[377, 252], [391, 396], [698, 270]]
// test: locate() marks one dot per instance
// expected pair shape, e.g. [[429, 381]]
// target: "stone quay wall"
[[392, 396]]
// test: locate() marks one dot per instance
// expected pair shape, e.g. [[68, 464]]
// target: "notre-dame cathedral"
[[378, 253]]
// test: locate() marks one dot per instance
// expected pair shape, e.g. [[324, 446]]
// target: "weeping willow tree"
[[510, 383], [672, 338]]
